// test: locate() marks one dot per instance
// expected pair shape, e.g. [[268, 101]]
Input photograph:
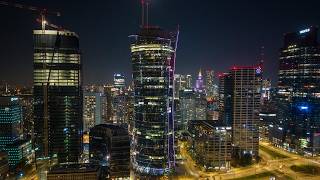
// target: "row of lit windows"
[[58, 58]]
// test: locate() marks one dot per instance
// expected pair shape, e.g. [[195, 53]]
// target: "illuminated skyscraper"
[[119, 82], [92, 109], [10, 120], [119, 104], [199, 83], [299, 91], [245, 94], [57, 71], [189, 81], [225, 98], [200, 106], [209, 82], [12, 141], [266, 90], [187, 107], [180, 84], [153, 59]]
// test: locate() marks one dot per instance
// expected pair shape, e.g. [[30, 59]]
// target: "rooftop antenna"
[[147, 3], [261, 56], [145, 15], [142, 13]]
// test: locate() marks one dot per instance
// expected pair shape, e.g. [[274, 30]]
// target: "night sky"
[[213, 34]]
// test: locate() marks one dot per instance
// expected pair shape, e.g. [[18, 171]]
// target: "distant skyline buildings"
[[209, 81], [199, 86], [93, 109], [158, 122]]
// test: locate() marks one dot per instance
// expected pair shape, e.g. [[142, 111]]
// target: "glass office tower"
[[57, 71], [153, 59], [246, 94], [299, 91]]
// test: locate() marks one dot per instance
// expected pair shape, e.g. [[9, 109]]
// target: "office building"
[[299, 91], [10, 120], [119, 99], [93, 105], [58, 95], [108, 108], [110, 148], [225, 98], [246, 88], [212, 109], [12, 140], [266, 91], [210, 82], [189, 82], [75, 172], [187, 107], [119, 82], [200, 105], [180, 83], [199, 83], [210, 144], [153, 59]]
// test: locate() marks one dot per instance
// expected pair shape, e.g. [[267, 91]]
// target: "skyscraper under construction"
[[57, 94], [153, 58]]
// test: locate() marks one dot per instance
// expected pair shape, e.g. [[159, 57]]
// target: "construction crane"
[[41, 11], [42, 20]]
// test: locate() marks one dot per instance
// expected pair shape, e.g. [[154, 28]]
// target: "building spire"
[[145, 12], [200, 73]]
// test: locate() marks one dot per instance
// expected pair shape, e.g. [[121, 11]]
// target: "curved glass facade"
[[153, 60]]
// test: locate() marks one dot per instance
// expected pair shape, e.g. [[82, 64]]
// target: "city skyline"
[[210, 90], [104, 41]]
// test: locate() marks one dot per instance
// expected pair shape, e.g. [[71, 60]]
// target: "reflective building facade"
[[110, 149], [153, 59], [57, 68], [299, 91]]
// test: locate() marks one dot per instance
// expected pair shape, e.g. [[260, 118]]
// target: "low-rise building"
[[210, 144], [74, 172]]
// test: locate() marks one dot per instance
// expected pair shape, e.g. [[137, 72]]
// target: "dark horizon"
[[214, 35]]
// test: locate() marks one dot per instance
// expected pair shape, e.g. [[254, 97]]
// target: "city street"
[[277, 167]]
